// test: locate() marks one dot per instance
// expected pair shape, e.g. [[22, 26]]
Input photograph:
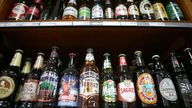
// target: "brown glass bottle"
[[109, 13], [84, 10], [9, 81], [146, 10], [30, 86], [70, 12], [89, 82], [166, 88], [133, 11], [145, 83], [121, 10], [97, 10], [126, 86]]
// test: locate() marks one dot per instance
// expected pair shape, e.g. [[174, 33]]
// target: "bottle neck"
[[139, 61], [89, 59], [158, 65], [108, 2], [175, 64], [189, 54], [122, 61], [38, 63], [72, 2], [107, 64], [27, 67], [38, 1], [16, 60], [71, 63]]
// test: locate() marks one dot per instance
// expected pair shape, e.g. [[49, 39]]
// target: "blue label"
[[68, 93]]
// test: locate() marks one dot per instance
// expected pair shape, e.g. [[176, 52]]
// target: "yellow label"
[[7, 86], [16, 61], [160, 12]]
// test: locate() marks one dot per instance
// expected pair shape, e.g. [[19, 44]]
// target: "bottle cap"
[[90, 50], [172, 53], [19, 50], [137, 52], [28, 59], [106, 54], [55, 47], [155, 56], [72, 54], [122, 55], [40, 53], [186, 49]]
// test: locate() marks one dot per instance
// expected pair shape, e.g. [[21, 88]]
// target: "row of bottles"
[[121, 10], [137, 86]]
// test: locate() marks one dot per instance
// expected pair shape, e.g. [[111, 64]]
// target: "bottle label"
[[146, 89], [68, 93], [173, 11], [109, 91], [121, 10], [122, 61], [48, 86], [133, 10], [109, 13], [18, 94], [146, 7], [33, 11], [97, 11], [159, 11], [7, 86], [70, 11], [167, 89], [84, 13], [16, 61], [19, 11], [126, 91], [29, 92], [107, 64], [89, 57]]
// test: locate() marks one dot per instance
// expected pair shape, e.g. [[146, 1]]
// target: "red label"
[[33, 11], [122, 61]]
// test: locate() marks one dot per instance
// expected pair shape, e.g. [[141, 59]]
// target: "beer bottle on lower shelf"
[[108, 85], [69, 86], [121, 10], [10, 80], [29, 92], [145, 83], [146, 10], [166, 89], [126, 86]]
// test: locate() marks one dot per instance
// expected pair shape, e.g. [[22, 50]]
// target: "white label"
[[133, 10], [146, 7], [70, 11], [167, 89], [73, 2], [97, 12], [89, 57], [121, 10], [109, 13]]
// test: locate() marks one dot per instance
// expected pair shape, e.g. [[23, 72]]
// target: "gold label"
[[160, 12], [7, 86], [16, 61]]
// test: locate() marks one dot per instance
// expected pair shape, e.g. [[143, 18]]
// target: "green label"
[[109, 91], [84, 13]]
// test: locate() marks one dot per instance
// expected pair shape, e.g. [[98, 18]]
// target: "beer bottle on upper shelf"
[[55, 12], [89, 82], [69, 86], [70, 12], [126, 86], [34, 11], [84, 10], [145, 83], [166, 89], [9, 81], [19, 10], [49, 82], [109, 13], [173, 10], [108, 85], [28, 96], [133, 11], [46, 11], [159, 10], [182, 82], [146, 10], [97, 10], [188, 58], [121, 10]]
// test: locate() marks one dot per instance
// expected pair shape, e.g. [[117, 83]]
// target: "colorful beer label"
[[69, 91], [97, 11], [84, 13], [133, 10], [146, 89], [146, 7], [109, 92], [126, 91], [7, 86], [29, 92], [70, 11], [159, 11], [121, 10], [48, 86], [167, 89]]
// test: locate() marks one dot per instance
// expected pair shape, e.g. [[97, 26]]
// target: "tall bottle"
[[49, 82], [34, 11], [166, 89], [69, 86], [109, 13], [70, 12], [97, 10], [126, 86], [146, 10], [30, 86], [84, 10], [182, 82], [121, 10], [9, 81], [89, 82], [108, 85], [45, 14], [133, 11], [145, 83], [54, 14]]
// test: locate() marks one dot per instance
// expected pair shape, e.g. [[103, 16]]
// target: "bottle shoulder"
[[89, 67]]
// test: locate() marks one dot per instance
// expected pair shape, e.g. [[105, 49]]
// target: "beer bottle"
[[173, 10], [188, 58], [55, 12], [133, 11], [146, 10], [97, 10], [70, 12], [145, 83], [34, 11], [46, 11], [61, 9], [84, 10], [159, 10], [69, 86], [121, 10], [164, 84], [109, 13], [89, 82], [108, 88], [19, 10], [126, 86], [29, 92], [49, 82], [9, 81], [182, 82]]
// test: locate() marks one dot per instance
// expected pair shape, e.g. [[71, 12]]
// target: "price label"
[[158, 24], [111, 23], [28, 24], [2, 24], [48, 24], [14, 24], [64, 23], [81, 23], [97, 23], [123, 23]]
